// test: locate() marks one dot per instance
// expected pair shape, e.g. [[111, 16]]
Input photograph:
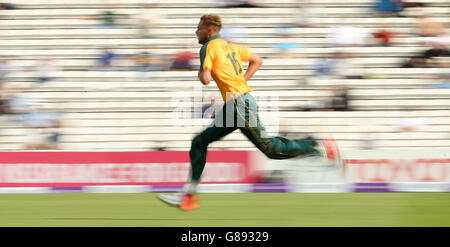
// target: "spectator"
[[17, 104], [182, 60], [339, 100], [411, 124], [410, 121], [44, 68], [388, 7], [7, 6], [301, 17], [441, 81], [5, 65], [107, 58], [237, 4], [383, 37], [232, 33], [394, 7], [286, 48], [43, 128], [42, 124], [146, 61], [6, 68], [439, 47], [441, 62], [338, 66], [108, 18], [427, 26], [368, 144], [147, 19], [348, 35], [3, 93], [209, 108], [160, 148]]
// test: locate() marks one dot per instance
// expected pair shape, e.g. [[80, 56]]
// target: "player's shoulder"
[[217, 43], [237, 46], [209, 44]]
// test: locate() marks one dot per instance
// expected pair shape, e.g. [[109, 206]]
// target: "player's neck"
[[212, 35]]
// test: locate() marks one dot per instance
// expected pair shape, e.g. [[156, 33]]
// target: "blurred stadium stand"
[[132, 110]]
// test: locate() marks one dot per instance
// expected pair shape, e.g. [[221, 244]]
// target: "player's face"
[[202, 33]]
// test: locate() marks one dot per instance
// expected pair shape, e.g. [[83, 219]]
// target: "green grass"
[[228, 210]]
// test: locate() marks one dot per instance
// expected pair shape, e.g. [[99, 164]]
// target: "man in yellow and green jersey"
[[222, 61]]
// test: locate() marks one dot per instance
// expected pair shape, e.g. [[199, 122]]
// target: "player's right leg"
[[280, 147], [329, 150]]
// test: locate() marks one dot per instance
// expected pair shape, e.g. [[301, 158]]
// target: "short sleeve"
[[244, 53], [206, 58]]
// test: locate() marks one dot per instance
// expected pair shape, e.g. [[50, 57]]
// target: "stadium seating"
[[132, 110]]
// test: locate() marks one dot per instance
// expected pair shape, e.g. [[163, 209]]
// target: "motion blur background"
[[121, 75]]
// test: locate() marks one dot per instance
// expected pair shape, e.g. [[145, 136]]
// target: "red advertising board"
[[23, 169]]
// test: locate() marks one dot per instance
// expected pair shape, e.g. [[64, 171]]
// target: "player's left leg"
[[199, 148], [187, 199], [183, 201]]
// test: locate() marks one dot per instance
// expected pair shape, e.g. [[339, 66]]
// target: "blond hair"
[[213, 21]]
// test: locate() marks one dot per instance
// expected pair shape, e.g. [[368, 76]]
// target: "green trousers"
[[242, 113]]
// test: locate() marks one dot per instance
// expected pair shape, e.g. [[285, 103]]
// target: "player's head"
[[208, 26]]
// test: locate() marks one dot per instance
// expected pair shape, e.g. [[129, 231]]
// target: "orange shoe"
[[183, 201], [329, 150], [189, 202]]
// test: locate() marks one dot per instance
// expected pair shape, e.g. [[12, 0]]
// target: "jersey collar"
[[217, 36]]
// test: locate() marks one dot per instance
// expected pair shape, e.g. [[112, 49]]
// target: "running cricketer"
[[222, 61]]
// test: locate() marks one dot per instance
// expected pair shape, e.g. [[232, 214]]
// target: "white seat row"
[[183, 104], [90, 3], [325, 11], [95, 51], [188, 85], [271, 22], [170, 42], [430, 104], [172, 32], [191, 3], [362, 129], [191, 122], [221, 145], [371, 94], [192, 75], [273, 63], [236, 136], [341, 3], [283, 115], [146, 146], [168, 96]]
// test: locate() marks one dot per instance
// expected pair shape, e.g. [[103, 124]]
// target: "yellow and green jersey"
[[225, 62]]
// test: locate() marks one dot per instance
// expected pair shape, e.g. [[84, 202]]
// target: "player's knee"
[[271, 154], [268, 153]]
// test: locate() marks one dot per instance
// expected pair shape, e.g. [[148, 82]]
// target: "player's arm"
[[254, 62], [206, 63], [204, 76]]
